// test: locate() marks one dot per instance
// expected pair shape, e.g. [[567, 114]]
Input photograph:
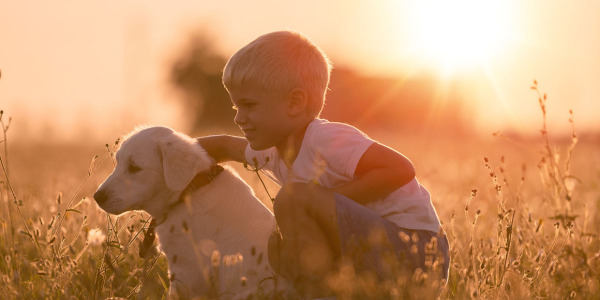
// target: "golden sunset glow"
[[455, 35], [480, 116], [108, 60]]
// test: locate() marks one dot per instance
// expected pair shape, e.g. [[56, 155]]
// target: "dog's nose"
[[100, 196]]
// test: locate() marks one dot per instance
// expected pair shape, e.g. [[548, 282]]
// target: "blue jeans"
[[378, 245]]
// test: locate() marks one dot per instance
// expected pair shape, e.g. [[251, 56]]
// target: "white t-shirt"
[[329, 155]]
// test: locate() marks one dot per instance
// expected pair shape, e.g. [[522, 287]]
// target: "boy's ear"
[[298, 101]]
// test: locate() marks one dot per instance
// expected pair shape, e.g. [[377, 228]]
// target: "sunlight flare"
[[458, 35]]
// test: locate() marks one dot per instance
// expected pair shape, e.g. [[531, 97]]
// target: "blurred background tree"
[[410, 105], [197, 72]]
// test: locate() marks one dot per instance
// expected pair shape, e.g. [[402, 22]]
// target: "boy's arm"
[[380, 171], [224, 147]]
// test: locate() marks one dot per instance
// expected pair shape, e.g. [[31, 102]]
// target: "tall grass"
[[54, 252], [512, 234], [542, 245]]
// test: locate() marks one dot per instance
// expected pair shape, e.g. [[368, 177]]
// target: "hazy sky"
[[82, 66]]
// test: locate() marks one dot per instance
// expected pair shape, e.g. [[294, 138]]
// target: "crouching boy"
[[345, 199]]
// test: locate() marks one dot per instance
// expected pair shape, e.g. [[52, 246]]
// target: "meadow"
[[520, 213]]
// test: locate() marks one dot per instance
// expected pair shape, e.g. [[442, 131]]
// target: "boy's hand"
[[380, 171], [224, 147]]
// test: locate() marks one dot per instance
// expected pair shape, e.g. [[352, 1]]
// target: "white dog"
[[211, 227]]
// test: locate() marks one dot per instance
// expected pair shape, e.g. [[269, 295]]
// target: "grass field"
[[520, 213]]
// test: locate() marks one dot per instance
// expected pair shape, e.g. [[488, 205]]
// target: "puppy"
[[211, 227]]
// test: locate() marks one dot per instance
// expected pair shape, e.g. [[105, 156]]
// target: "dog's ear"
[[183, 158]]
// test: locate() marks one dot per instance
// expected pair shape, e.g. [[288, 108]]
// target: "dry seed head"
[[52, 221], [437, 264], [96, 237], [428, 262], [434, 242], [404, 237], [483, 263], [215, 258], [552, 269], [418, 275], [539, 256], [539, 225], [414, 249], [415, 238]]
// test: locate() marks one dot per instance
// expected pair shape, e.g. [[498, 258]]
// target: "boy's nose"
[[240, 118]]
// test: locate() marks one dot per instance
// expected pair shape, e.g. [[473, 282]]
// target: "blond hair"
[[281, 61]]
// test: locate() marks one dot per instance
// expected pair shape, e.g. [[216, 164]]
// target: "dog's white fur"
[[154, 166]]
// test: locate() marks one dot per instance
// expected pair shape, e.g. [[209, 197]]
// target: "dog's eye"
[[133, 168]]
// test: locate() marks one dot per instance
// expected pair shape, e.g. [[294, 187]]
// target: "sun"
[[459, 34]]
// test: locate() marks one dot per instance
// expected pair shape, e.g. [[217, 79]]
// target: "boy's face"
[[262, 116]]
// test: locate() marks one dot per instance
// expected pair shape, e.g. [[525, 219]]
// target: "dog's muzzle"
[[100, 196]]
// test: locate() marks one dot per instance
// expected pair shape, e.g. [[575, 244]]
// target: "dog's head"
[[154, 165]]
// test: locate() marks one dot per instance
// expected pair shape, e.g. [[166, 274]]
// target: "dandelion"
[[96, 237]]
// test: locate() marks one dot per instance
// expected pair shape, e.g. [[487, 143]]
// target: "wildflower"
[[96, 237]]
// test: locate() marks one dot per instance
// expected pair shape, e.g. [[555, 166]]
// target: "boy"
[[344, 197]]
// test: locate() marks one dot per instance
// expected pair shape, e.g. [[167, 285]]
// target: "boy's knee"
[[298, 196], [293, 195]]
